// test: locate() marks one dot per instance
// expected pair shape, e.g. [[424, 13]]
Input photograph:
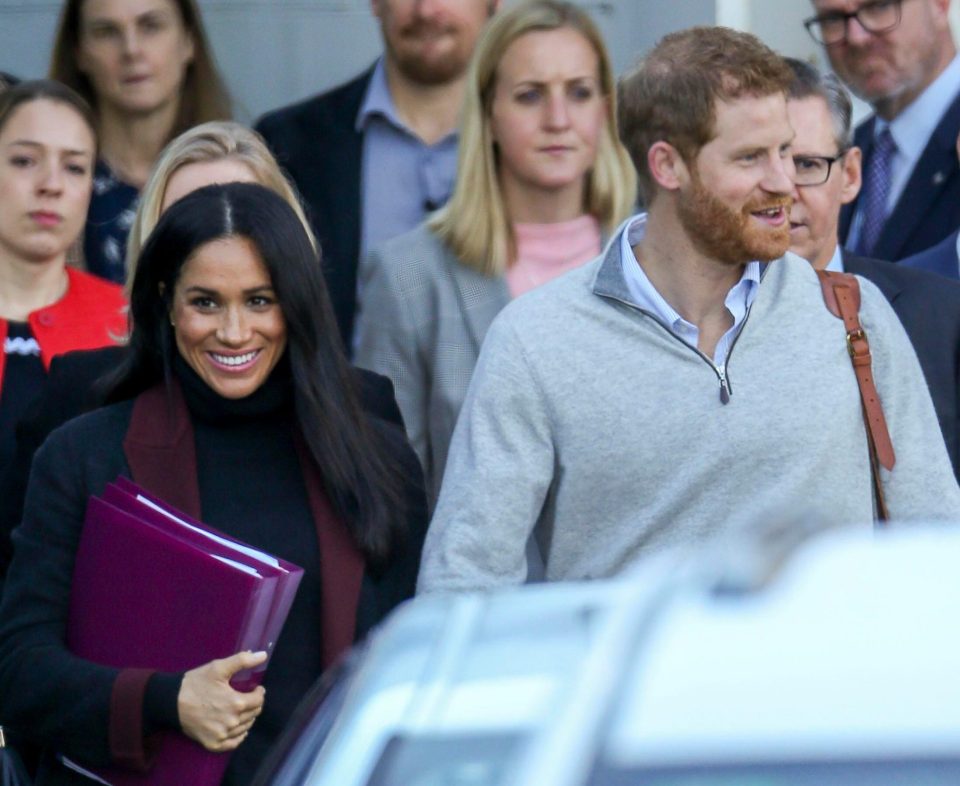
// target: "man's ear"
[[667, 167], [850, 175]]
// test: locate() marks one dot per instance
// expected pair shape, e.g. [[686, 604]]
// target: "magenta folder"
[[154, 589], [127, 495]]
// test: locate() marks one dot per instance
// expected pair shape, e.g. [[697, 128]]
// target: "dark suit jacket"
[[941, 259], [71, 389], [317, 144], [929, 309], [929, 208]]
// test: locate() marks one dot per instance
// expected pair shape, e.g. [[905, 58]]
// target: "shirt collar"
[[378, 102], [913, 127], [836, 261], [646, 297]]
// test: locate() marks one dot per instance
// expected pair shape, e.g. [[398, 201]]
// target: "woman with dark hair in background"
[[236, 404], [146, 68], [47, 150]]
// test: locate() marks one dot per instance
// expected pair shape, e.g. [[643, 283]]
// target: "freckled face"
[[226, 318]]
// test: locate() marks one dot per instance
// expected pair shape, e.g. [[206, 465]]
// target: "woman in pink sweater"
[[542, 177]]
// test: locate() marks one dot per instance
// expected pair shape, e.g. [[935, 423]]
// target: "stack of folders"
[[155, 589]]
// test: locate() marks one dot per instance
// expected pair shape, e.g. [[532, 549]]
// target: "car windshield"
[[928, 772], [480, 760]]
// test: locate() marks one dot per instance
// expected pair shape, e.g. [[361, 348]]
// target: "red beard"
[[726, 235]]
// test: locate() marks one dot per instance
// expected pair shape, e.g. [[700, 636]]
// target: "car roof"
[[852, 651], [843, 645]]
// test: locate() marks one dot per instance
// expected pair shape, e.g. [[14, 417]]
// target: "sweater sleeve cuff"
[[126, 719], [160, 702]]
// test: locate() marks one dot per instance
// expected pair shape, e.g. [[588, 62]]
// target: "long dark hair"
[[361, 476], [203, 97]]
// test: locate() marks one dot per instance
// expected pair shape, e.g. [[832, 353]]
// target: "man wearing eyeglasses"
[[899, 56], [828, 177]]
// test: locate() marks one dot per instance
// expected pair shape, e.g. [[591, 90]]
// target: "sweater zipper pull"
[[724, 390]]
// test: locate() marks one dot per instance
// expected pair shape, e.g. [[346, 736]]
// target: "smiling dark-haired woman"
[[236, 405]]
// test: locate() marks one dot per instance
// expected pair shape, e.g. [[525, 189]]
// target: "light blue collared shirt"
[[645, 295], [835, 264], [403, 179], [911, 131]]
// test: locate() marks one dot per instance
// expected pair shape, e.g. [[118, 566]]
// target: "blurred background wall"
[[273, 52]]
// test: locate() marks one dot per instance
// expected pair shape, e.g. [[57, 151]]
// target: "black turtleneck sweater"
[[252, 488]]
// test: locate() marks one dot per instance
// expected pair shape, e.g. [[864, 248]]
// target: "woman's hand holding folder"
[[211, 711]]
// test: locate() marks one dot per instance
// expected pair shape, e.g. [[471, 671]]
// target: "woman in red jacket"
[[47, 150]]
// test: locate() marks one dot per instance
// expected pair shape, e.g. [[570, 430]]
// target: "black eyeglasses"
[[814, 170], [877, 16]]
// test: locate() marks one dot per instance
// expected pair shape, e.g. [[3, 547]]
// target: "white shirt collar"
[[836, 261], [646, 297]]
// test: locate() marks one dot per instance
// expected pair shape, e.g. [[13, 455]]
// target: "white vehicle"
[[784, 661]]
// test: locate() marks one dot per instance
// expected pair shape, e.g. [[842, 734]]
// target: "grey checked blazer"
[[423, 318]]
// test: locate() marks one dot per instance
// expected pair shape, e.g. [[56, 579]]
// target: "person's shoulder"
[[310, 111], [89, 286], [377, 396], [86, 363], [553, 306], [940, 259], [909, 278], [98, 432], [418, 260], [791, 277], [418, 246]]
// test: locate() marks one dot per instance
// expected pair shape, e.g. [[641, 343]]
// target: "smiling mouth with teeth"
[[234, 360]]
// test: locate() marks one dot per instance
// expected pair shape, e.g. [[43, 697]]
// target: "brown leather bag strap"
[[841, 293]]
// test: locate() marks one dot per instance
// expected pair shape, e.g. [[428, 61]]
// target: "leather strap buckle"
[[857, 335]]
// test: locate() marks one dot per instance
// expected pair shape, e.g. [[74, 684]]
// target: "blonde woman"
[[215, 152], [542, 178]]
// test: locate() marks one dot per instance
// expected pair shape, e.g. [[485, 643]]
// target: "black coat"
[[318, 145], [929, 207], [71, 389], [929, 309], [940, 259], [64, 701]]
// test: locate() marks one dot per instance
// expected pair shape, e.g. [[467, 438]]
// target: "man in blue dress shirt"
[[372, 157]]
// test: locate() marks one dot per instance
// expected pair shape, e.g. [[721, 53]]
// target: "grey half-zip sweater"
[[589, 424]]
